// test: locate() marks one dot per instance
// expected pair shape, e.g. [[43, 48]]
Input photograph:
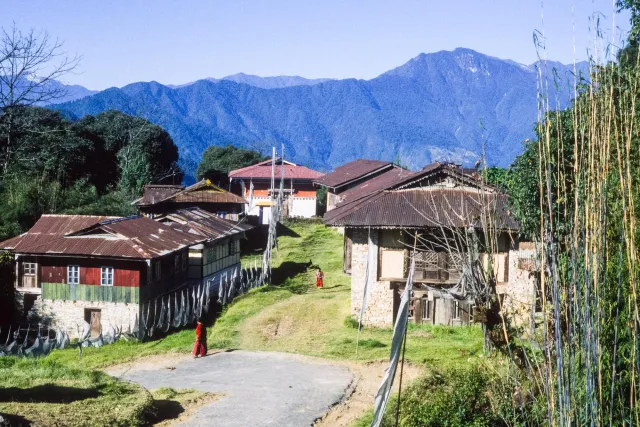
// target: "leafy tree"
[[126, 146], [498, 177], [97, 165], [217, 160]]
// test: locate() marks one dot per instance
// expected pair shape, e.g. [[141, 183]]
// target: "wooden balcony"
[[431, 267]]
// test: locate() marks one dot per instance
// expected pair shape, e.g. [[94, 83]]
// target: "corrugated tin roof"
[[201, 192], [156, 193], [379, 182], [204, 223], [352, 171], [262, 170], [50, 227], [426, 207], [133, 237]]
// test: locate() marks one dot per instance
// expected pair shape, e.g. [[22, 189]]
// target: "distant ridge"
[[438, 106], [275, 82]]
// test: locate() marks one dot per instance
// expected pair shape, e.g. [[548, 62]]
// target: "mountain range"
[[448, 105]]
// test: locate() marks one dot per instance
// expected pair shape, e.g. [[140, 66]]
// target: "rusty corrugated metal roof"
[[50, 227], [201, 222], [379, 182], [157, 193], [351, 172], [425, 207], [133, 237], [201, 192], [262, 170]]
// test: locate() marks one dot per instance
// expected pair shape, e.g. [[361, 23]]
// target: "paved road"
[[262, 389]]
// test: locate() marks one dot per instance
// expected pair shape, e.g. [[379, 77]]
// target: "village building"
[[160, 199], [355, 175], [219, 254], [383, 223], [72, 268], [254, 184]]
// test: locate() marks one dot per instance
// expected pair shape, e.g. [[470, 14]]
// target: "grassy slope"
[[296, 317], [48, 393], [291, 317]]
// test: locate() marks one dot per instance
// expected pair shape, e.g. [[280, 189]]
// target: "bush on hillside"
[[465, 396]]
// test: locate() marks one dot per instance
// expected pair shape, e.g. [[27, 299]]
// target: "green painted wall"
[[64, 291]]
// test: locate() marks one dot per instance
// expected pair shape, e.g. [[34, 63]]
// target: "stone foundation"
[[379, 311], [70, 315]]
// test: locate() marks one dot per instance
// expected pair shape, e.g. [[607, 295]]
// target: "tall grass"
[[588, 167]]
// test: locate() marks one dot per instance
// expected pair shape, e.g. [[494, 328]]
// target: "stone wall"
[[379, 311], [519, 291], [70, 315]]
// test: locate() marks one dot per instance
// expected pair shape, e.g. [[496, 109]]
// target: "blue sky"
[[170, 41]]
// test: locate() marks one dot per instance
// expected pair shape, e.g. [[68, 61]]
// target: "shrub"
[[456, 398], [350, 322]]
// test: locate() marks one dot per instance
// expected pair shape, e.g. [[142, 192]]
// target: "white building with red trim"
[[254, 184]]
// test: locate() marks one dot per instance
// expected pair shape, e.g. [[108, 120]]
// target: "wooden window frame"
[[29, 269], [109, 276], [426, 308], [456, 310], [75, 278]]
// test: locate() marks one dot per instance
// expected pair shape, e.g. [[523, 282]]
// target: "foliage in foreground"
[[461, 396], [45, 392]]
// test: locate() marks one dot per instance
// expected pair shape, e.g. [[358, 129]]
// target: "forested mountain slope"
[[439, 106]]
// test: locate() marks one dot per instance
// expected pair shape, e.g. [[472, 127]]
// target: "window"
[[472, 312], [106, 279], [456, 310], [29, 268], [426, 309], [232, 247], [158, 272], [211, 255], [73, 274], [221, 214], [177, 263]]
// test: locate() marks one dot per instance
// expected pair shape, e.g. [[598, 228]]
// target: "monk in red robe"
[[319, 278], [200, 347]]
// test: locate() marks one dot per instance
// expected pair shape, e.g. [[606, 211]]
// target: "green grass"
[[289, 316], [46, 392], [296, 317]]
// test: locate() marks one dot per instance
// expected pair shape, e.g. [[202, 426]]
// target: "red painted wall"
[[125, 273]]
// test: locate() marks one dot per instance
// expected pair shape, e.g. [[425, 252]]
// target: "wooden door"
[[93, 316]]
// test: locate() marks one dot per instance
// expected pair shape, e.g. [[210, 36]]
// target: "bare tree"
[[30, 64]]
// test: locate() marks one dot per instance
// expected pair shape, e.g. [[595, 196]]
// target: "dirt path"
[[367, 378], [256, 388]]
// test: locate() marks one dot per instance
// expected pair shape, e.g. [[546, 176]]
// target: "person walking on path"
[[319, 277], [200, 347]]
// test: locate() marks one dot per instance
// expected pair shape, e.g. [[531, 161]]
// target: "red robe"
[[319, 277], [200, 346]]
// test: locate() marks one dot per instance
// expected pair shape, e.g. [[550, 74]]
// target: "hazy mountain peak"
[[425, 110]]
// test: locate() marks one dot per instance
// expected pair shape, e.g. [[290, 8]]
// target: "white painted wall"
[[303, 207]]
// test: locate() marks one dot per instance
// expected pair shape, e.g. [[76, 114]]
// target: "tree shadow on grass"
[[288, 270], [13, 420], [164, 409], [47, 393], [283, 230]]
